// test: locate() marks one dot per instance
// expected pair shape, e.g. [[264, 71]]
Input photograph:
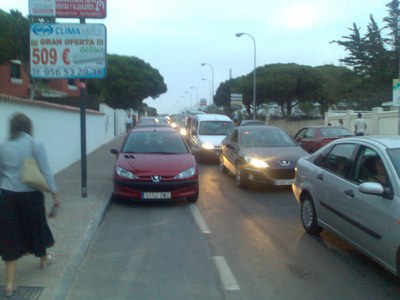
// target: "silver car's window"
[[215, 128], [394, 155], [367, 168], [339, 159]]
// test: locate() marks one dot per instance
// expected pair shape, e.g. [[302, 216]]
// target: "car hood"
[[214, 140], [275, 154], [156, 164]]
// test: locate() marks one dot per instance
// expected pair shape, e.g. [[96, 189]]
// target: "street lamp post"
[[190, 102], [212, 80], [184, 98], [197, 95], [254, 78], [209, 85]]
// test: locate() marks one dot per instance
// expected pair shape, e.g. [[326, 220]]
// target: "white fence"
[[379, 122], [59, 127]]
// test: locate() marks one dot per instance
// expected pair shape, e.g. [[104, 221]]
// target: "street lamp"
[[197, 95], [190, 102], [184, 98], [212, 80], [209, 85], [254, 79]]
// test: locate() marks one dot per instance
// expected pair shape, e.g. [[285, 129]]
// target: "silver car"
[[351, 187]]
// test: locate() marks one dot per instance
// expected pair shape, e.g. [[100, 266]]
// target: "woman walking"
[[23, 222]]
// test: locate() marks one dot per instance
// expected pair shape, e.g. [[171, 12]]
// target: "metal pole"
[[212, 79], [83, 87], [254, 75]]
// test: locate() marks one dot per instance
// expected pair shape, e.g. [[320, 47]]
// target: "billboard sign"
[[68, 50], [68, 9]]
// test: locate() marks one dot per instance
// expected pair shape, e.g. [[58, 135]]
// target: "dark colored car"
[[311, 138], [252, 123], [153, 122], [155, 164], [261, 154]]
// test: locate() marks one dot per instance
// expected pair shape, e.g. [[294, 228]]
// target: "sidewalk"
[[73, 228]]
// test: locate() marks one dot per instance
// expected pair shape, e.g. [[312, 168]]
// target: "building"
[[14, 81]]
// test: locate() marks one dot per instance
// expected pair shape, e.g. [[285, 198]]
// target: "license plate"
[[163, 195], [283, 182]]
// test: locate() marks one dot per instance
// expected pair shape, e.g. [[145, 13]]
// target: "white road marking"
[[228, 280], [198, 218]]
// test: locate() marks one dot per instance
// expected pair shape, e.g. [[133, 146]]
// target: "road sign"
[[68, 9], [68, 50]]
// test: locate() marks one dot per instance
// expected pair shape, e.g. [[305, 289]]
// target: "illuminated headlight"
[[173, 125], [126, 174], [207, 146], [186, 174], [258, 163], [183, 131]]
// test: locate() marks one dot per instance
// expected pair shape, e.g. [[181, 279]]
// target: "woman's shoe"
[[51, 257], [10, 292]]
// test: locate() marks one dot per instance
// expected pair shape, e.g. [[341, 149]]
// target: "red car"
[[155, 163], [311, 138]]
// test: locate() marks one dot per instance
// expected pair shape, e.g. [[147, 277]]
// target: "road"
[[232, 244]]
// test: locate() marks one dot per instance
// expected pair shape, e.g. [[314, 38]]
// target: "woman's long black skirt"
[[23, 225]]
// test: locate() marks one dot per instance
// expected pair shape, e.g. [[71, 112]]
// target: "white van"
[[206, 134]]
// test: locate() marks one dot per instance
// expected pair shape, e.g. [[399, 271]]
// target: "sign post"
[[69, 50]]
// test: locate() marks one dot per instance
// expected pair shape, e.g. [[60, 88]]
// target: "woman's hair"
[[20, 123]]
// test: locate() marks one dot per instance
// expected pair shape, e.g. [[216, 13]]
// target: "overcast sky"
[[176, 36]]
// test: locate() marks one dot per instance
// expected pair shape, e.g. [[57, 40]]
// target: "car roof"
[[154, 128], [257, 127], [212, 117], [386, 141]]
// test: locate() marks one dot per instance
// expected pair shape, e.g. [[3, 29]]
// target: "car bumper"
[[271, 177], [147, 190]]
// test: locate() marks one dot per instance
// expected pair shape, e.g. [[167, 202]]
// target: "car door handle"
[[349, 193], [320, 177]]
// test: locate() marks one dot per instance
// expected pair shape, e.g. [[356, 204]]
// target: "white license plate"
[[283, 182], [163, 195]]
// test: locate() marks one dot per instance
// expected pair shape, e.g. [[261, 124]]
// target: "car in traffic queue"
[[260, 154], [351, 187], [155, 163], [252, 123], [153, 122], [206, 133], [311, 138]]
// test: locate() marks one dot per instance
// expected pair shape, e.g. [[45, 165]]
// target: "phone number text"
[[68, 72]]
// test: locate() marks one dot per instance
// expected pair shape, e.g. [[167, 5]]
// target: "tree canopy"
[[129, 81]]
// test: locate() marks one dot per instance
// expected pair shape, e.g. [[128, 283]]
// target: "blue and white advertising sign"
[[68, 50]]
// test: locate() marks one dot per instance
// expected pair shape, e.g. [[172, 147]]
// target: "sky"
[[177, 36]]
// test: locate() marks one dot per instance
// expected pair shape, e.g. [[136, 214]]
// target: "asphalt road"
[[232, 244]]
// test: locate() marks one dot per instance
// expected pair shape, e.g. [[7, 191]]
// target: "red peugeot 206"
[[155, 163]]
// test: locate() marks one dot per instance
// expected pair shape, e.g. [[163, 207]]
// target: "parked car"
[[351, 187], [311, 138], [252, 123], [261, 154], [206, 133], [155, 163]]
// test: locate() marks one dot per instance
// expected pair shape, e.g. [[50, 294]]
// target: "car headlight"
[[255, 162], [183, 131], [173, 125], [186, 174], [126, 174], [207, 146]]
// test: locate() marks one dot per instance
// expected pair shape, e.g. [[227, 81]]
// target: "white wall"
[[59, 127]]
